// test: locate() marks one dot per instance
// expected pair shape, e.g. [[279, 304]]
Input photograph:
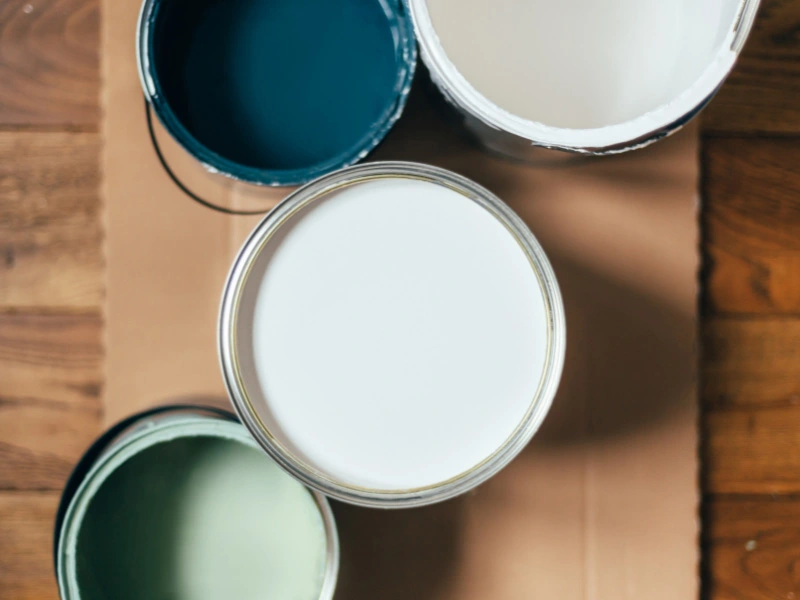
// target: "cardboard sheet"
[[603, 503]]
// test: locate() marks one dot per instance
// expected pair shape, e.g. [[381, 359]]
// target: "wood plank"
[[26, 556], [751, 363], [751, 401], [752, 548], [760, 96], [751, 221], [50, 231], [50, 407], [49, 63]]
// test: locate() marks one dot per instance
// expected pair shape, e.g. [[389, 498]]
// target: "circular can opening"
[[276, 92], [392, 334], [191, 508], [579, 74]]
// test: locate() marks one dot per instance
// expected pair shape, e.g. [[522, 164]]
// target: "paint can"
[[392, 334], [276, 93], [158, 507], [581, 76]]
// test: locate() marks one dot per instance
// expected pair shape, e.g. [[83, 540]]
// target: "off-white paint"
[[583, 64], [393, 335]]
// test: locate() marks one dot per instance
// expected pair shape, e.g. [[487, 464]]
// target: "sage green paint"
[[200, 518]]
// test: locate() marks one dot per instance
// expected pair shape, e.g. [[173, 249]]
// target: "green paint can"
[[180, 502]]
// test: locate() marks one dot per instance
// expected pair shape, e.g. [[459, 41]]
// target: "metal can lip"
[[490, 120], [463, 482], [139, 434], [216, 163]]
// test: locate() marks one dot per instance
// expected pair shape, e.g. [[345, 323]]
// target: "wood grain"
[[50, 231], [50, 409], [761, 95], [49, 63], [751, 222], [751, 401], [26, 560], [753, 549], [51, 267]]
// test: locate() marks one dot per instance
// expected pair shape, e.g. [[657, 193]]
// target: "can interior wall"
[[568, 75], [243, 382], [276, 93], [162, 501]]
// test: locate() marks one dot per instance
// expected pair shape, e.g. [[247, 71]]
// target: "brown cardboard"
[[603, 503]]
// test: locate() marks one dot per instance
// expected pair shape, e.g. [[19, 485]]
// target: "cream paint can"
[[392, 334], [179, 502], [578, 75]]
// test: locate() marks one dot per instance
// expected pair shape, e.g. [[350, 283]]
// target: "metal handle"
[[223, 209]]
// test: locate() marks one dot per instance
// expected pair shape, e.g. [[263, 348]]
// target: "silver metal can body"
[[291, 462], [505, 133], [124, 441]]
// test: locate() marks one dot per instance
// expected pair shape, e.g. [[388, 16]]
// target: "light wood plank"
[[26, 556], [50, 408], [751, 220], [50, 231], [760, 96], [49, 63]]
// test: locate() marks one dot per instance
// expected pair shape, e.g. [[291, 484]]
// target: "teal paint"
[[278, 91], [200, 518]]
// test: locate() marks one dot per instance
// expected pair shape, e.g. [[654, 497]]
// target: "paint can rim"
[[493, 120], [216, 163], [141, 432], [294, 465]]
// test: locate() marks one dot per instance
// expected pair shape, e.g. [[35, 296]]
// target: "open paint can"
[[392, 334], [179, 502], [276, 92], [579, 75]]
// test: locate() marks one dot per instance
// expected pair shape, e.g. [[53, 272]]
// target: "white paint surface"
[[394, 335], [583, 64]]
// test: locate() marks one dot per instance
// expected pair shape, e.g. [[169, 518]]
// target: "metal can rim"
[[216, 163], [134, 440], [313, 478], [646, 129]]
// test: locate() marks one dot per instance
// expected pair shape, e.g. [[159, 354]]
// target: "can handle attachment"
[[91, 455], [148, 110]]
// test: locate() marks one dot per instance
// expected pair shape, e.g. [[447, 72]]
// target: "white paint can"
[[588, 76], [392, 334]]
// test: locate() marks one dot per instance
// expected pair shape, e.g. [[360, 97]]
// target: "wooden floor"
[[51, 292]]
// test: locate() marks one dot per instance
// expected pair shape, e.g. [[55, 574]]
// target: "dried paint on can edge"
[[402, 31], [504, 133]]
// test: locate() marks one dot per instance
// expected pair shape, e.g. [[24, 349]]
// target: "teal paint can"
[[180, 502], [276, 92]]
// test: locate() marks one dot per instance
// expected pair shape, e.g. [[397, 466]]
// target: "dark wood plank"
[[760, 96], [49, 63], [50, 407], [751, 222], [752, 548], [751, 405], [50, 231], [26, 556]]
